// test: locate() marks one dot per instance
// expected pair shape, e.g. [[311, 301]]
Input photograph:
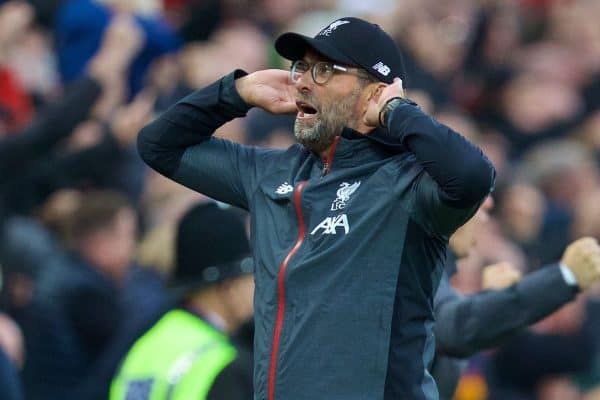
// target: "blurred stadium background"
[[519, 77]]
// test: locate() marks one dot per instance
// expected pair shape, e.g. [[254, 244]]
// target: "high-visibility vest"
[[178, 358]]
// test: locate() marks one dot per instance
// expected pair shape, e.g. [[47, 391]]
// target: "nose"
[[488, 203], [484, 210], [304, 82]]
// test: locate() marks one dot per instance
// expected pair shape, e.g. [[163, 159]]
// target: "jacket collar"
[[354, 149]]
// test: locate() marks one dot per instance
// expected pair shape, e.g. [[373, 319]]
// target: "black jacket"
[[466, 325], [22, 154], [75, 318], [10, 385], [347, 258], [52, 125]]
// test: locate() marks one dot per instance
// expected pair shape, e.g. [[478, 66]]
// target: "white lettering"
[[382, 68], [330, 225]]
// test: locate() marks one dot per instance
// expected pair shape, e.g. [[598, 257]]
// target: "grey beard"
[[317, 137], [330, 123]]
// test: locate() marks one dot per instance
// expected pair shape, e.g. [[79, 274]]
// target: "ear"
[[372, 94], [375, 89]]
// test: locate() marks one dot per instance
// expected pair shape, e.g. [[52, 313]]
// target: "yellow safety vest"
[[178, 358]]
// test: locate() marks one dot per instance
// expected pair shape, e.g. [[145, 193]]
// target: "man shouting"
[[350, 226]]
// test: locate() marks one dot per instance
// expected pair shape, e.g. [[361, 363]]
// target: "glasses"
[[322, 71]]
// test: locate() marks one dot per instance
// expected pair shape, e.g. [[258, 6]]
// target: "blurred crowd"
[[87, 231]]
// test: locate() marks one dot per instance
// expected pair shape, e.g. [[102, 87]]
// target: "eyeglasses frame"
[[335, 67]]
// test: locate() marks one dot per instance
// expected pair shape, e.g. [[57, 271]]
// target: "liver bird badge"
[[343, 195]]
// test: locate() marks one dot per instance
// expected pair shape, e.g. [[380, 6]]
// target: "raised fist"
[[582, 257], [500, 276]]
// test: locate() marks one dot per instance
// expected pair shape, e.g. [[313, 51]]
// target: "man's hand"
[[500, 276], [15, 17], [129, 119], [379, 99], [121, 42], [270, 90], [582, 257]]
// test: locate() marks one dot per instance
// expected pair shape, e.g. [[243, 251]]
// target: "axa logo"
[[284, 188], [334, 25], [343, 195], [382, 68], [330, 225]]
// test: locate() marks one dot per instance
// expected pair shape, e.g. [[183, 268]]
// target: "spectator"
[[80, 311], [186, 353], [469, 324], [79, 28]]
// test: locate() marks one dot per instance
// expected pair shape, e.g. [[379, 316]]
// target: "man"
[[76, 309], [350, 227], [468, 324], [187, 354]]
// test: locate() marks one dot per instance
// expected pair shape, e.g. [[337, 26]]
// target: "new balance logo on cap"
[[382, 68], [333, 26]]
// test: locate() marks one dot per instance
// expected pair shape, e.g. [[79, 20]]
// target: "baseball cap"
[[350, 41], [211, 246]]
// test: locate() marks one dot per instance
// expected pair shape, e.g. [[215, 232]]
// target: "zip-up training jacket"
[[348, 251]]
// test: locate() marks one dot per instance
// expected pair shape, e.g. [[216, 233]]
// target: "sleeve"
[[83, 165], [458, 175], [235, 381], [466, 325], [55, 123], [50, 173], [179, 144]]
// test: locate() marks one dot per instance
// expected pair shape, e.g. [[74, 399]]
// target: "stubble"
[[332, 117]]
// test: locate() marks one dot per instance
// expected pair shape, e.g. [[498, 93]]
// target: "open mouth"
[[305, 110]]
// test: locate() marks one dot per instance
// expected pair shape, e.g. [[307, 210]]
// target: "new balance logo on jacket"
[[284, 188]]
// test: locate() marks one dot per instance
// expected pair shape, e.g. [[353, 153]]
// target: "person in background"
[[145, 299], [79, 27], [120, 44], [468, 324], [78, 307], [187, 353]]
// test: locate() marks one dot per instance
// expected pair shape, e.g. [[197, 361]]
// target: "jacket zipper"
[[281, 289], [328, 162]]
